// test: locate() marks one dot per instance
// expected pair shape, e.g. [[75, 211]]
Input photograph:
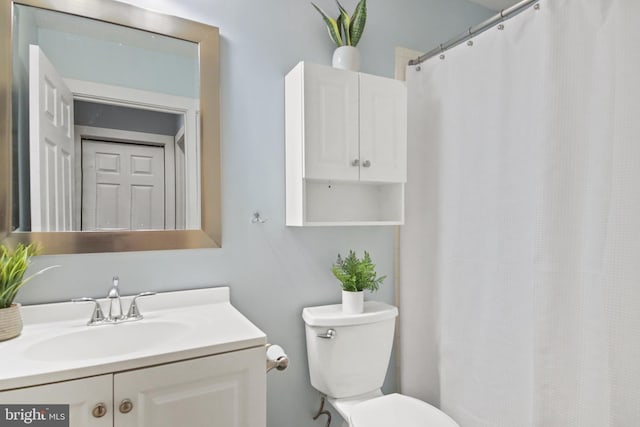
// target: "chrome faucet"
[[115, 304], [116, 314]]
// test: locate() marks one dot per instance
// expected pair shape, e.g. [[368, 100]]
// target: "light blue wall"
[[273, 271], [85, 58]]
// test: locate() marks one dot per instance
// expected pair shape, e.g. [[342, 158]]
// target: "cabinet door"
[[82, 396], [217, 391], [383, 129], [330, 123]]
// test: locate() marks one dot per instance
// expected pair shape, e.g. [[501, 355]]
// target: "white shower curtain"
[[520, 257]]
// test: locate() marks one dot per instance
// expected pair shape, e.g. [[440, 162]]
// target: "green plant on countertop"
[[346, 30], [13, 265], [357, 274]]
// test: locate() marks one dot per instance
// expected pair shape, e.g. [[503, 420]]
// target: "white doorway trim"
[[134, 98], [403, 56]]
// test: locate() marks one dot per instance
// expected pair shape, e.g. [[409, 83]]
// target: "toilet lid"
[[398, 410]]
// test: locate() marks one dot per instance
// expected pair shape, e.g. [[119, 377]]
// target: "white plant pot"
[[346, 58], [352, 302]]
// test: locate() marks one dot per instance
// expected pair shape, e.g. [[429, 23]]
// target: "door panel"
[[383, 129], [123, 186], [331, 123], [81, 396], [50, 145], [227, 390]]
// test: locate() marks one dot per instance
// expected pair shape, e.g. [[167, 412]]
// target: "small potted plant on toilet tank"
[[355, 274]]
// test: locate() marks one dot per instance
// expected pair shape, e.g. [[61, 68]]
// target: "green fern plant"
[[346, 30], [357, 274], [13, 265]]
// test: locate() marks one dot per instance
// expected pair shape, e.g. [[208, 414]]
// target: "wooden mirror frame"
[[207, 38]]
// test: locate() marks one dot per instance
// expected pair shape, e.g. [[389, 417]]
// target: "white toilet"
[[348, 359]]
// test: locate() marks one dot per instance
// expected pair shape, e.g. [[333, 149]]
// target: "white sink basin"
[[106, 341]]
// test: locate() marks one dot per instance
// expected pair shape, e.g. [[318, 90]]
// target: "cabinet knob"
[[355, 162], [99, 411], [126, 406], [366, 163]]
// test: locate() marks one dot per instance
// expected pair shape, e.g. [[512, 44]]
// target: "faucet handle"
[[134, 312], [97, 316]]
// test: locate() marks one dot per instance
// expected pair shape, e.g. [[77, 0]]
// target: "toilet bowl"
[[348, 360], [397, 410]]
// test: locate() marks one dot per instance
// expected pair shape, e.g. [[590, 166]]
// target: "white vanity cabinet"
[[216, 391], [193, 360], [346, 147]]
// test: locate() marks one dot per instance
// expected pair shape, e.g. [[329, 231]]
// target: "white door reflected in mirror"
[[122, 186], [51, 146]]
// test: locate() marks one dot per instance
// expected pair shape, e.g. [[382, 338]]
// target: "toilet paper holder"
[[276, 358]]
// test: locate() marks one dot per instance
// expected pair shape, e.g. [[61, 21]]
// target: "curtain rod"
[[473, 31]]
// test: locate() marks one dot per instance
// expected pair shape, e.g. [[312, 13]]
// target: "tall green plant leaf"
[[358, 20], [345, 19], [341, 27], [332, 26]]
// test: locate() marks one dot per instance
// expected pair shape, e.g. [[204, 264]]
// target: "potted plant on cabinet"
[[346, 31], [356, 275], [13, 265]]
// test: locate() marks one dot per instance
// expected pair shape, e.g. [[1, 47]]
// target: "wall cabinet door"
[[82, 396], [330, 123], [217, 391], [355, 126], [383, 129]]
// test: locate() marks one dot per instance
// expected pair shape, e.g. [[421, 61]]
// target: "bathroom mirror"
[[110, 128]]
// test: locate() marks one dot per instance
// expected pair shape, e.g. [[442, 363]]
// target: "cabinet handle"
[[126, 406], [355, 162], [366, 163], [99, 411]]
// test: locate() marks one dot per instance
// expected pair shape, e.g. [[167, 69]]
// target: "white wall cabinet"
[[346, 147], [217, 391]]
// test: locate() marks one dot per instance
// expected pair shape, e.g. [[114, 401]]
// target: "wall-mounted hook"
[[257, 219]]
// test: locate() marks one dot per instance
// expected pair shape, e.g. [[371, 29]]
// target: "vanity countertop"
[[57, 345]]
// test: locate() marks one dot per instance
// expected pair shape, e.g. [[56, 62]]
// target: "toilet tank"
[[356, 359]]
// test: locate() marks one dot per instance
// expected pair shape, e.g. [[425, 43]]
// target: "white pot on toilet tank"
[[352, 302]]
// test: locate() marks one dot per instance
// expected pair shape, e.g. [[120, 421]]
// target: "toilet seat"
[[398, 410]]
